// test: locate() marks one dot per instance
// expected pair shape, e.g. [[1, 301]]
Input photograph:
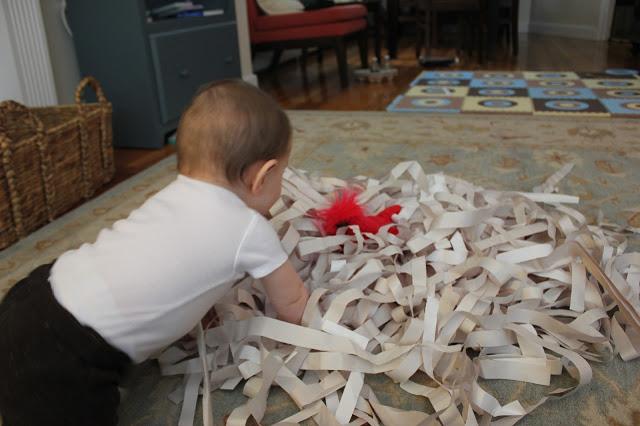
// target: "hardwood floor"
[[319, 88], [132, 161]]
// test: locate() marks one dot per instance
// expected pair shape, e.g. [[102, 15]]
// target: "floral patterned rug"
[[502, 152]]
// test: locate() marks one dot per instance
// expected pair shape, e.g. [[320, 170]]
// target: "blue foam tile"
[[626, 72], [392, 106], [440, 82], [622, 106], [429, 105], [561, 93], [456, 75], [498, 83]]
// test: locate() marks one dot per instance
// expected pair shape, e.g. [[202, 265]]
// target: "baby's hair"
[[228, 126]]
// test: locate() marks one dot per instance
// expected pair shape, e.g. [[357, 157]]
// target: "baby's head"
[[234, 135]]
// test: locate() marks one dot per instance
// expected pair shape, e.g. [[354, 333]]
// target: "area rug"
[[613, 93], [502, 152]]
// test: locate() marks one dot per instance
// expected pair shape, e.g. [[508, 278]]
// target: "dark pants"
[[53, 370]]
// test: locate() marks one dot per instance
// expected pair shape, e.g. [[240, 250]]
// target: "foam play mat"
[[613, 93]]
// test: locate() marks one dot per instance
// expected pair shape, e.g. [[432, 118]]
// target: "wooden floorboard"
[[319, 88]]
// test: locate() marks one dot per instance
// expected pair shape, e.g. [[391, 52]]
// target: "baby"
[[69, 330]]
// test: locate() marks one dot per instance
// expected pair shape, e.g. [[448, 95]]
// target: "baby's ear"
[[256, 174]]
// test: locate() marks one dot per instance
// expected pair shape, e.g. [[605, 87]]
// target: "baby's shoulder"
[[198, 200], [223, 215]]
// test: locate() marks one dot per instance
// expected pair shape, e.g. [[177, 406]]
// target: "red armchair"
[[321, 28]]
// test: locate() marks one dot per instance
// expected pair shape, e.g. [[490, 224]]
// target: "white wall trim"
[[605, 20], [10, 82], [565, 30], [244, 42], [524, 17], [29, 41], [64, 62]]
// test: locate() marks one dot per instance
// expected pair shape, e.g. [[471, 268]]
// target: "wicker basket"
[[51, 159]]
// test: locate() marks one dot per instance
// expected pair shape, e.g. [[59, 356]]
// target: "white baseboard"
[[565, 30]]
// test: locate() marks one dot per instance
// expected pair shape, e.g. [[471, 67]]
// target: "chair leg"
[[434, 29], [363, 45], [515, 35], [343, 67], [275, 59], [483, 38], [320, 55], [427, 28], [420, 36], [303, 59], [482, 44], [461, 33]]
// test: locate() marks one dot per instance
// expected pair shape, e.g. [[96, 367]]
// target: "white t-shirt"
[[149, 279]]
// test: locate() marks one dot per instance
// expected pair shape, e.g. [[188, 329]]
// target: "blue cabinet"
[[151, 69], [179, 71]]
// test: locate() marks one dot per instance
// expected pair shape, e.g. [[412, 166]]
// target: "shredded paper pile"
[[477, 284]]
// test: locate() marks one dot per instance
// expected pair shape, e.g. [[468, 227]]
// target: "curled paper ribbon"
[[519, 278]]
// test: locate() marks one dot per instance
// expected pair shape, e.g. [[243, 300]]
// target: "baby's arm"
[[287, 292]]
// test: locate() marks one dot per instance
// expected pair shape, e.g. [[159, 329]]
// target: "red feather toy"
[[346, 211]]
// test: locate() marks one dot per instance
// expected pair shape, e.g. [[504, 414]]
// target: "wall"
[[64, 63], [61, 50], [587, 19], [9, 79]]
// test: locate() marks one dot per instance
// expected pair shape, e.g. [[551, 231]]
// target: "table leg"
[[428, 31], [392, 27], [493, 16], [378, 30], [515, 16]]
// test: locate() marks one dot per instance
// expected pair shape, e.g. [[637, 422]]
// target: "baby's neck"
[[217, 180]]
